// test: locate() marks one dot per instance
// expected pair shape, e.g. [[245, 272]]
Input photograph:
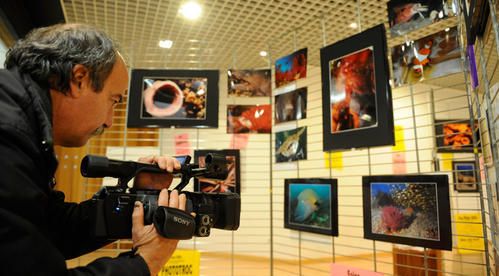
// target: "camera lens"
[[205, 220]]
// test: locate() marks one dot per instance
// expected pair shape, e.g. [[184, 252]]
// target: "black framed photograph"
[[465, 176], [173, 98], [476, 14], [233, 181], [455, 135], [249, 83], [432, 56], [408, 209], [311, 205], [291, 68], [356, 95], [290, 106], [249, 118], [291, 145], [408, 15]]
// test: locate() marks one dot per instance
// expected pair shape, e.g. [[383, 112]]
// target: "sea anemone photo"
[[408, 209]]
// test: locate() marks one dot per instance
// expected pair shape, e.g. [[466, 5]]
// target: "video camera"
[[114, 204]]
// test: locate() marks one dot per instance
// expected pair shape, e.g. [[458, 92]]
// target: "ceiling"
[[230, 33]]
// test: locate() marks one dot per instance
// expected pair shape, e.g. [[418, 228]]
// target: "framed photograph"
[[476, 14], [311, 205], [356, 95], [408, 15], [290, 106], [291, 67], [179, 98], [433, 56], [249, 118], [408, 209], [291, 145], [249, 83], [233, 181], [456, 135], [465, 176]]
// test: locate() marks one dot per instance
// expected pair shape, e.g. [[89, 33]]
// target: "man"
[[60, 87]]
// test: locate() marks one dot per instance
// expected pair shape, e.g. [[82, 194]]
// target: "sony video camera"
[[114, 204]]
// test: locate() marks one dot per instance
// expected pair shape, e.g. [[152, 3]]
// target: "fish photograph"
[[353, 91], [291, 67], [249, 118], [465, 177], [311, 205], [433, 56], [249, 83], [290, 106], [405, 16], [291, 145], [232, 183]]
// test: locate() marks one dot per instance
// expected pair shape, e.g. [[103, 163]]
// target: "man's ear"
[[79, 80]]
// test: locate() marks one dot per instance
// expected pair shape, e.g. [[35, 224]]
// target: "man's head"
[[85, 74]]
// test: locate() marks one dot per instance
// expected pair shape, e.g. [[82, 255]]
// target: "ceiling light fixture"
[[190, 10], [353, 25], [263, 53], [167, 44]]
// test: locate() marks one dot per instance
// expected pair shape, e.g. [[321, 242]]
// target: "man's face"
[[83, 113]]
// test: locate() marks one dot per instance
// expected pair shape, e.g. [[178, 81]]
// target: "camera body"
[[114, 204]]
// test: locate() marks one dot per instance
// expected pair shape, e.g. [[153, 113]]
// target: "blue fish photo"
[[311, 206]]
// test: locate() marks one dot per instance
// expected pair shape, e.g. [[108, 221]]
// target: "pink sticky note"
[[399, 164], [239, 141], [182, 144], [343, 270]]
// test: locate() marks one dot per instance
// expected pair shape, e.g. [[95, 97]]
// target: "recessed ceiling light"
[[263, 53], [353, 25], [190, 10], [165, 43]]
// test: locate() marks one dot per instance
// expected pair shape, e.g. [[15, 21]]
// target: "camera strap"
[[173, 223]]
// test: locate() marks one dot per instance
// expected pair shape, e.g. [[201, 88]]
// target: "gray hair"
[[49, 54]]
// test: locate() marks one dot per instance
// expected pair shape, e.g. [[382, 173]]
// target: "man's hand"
[[153, 248], [156, 181]]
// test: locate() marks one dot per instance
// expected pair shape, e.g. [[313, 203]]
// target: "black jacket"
[[38, 230]]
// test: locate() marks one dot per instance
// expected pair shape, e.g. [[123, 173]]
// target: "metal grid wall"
[[262, 245]]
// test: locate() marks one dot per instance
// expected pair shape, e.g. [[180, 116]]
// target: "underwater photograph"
[[291, 68], [405, 209], [291, 145], [175, 98], [309, 205]]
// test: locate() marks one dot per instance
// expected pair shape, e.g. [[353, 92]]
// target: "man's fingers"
[[182, 199], [173, 199], [163, 198], [137, 218]]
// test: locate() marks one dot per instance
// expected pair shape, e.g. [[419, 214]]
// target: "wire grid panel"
[[300, 253]]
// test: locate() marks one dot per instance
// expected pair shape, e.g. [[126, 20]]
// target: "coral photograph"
[[291, 68], [353, 91], [174, 98], [249, 83], [405, 210], [455, 135]]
